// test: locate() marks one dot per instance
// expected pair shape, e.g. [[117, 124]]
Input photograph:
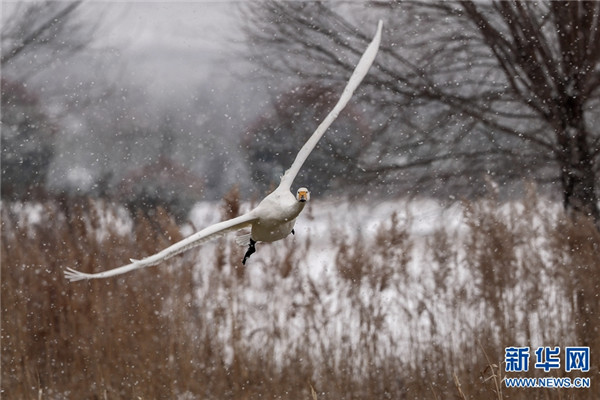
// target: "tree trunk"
[[577, 166], [580, 200]]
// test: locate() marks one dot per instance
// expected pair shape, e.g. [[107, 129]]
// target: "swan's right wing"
[[206, 234], [355, 79]]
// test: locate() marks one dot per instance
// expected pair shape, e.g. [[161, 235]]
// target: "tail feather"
[[243, 240]]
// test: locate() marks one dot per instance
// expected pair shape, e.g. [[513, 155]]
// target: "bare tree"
[[32, 35], [461, 90], [40, 28], [273, 140], [27, 143]]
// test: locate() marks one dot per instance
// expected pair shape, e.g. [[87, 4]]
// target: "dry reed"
[[379, 325]]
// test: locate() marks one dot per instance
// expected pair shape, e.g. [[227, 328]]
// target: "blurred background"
[[103, 96], [473, 140]]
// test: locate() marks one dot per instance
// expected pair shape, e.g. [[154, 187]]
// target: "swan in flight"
[[274, 217]]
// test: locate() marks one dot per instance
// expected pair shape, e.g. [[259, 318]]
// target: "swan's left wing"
[[355, 79], [206, 234]]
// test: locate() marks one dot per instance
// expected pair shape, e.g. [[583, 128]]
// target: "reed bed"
[[389, 315]]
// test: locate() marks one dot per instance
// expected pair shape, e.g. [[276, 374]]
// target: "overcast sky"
[[171, 44]]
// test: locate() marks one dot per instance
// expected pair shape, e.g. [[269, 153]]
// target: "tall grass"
[[391, 315]]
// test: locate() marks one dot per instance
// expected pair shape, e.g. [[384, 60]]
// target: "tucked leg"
[[251, 250]]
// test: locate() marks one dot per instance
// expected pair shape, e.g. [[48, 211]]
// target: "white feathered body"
[[276, 216]]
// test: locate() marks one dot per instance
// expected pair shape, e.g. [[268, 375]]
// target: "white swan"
[[274, 217]]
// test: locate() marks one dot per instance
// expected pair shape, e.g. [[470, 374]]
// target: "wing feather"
[[355, 79], [209, 233]]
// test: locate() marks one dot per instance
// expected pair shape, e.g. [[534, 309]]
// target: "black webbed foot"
[[251, 250]]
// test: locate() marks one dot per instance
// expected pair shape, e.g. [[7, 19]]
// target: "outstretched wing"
[[206, 234], [357, 76]]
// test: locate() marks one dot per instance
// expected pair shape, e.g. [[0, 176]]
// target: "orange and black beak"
[[302, 195]]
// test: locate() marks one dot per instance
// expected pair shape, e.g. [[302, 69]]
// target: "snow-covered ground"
[[274, 304], [351, 277], [403, 299]]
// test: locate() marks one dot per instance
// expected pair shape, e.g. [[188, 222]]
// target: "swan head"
[[303, 195]]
